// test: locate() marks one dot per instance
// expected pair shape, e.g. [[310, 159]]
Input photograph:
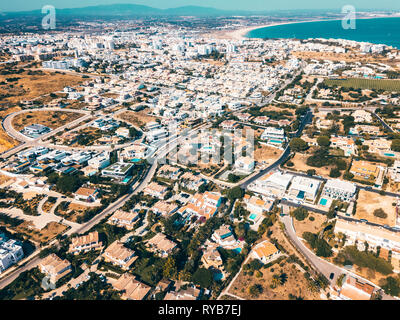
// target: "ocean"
[[377, 30]]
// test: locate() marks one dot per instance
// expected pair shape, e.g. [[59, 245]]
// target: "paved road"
[[384, 124], [136, 188], [323, 266], [306, 119]]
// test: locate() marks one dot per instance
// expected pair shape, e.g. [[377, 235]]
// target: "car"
[[363, 220], [331, 276], [63, 197]]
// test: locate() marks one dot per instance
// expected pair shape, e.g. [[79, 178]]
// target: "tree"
[[320, 158], [335, 173], [235, 193], [233, 178], [275, 281], [67, 183], [283, 278], [203, 277], [348, 176], [339, 281], [255, 290], [380, 213], [391, 286], [323, 141], [311, 172], [321, 247], [341, 164], [298, 144], [395, 145], [169, 269], [300, 213]]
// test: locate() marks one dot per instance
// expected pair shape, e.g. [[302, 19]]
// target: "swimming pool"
[[126, 180], [301, 195], [253, 216], [276, 141], [323, 202], [135, 160], [218, 276], [389, 154], [238, 250]]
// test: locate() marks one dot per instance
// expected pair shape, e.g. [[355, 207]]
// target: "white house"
[[338, 189], [10, 253], [244, 164], [304, 188]]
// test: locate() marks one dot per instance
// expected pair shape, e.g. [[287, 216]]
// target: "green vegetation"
[[380, 213], [323, 141], [300, 213], [27, 285], [298, 144], [350, 255], [235, 193], [93, 289], [255, 290], [203, 277], [388, 85], [12, 222], [395, 146], [391, 286], [321, 247]]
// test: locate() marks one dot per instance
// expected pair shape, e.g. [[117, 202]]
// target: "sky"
[[251, 5]]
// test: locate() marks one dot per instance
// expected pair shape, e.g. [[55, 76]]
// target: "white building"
[[274, 184], [273, 133], [338, 189], [362, 116], [10, 253], [244, 164], [304, 188], [100, 162]]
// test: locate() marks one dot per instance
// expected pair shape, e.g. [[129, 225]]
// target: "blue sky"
[[22, 5]]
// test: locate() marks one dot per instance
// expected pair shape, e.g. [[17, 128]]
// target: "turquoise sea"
[[377, 30]]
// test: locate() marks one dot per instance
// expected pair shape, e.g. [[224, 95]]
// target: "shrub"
[[300, 214], [380, 213]]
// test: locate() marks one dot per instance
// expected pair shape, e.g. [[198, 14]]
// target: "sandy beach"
[[240, 34]]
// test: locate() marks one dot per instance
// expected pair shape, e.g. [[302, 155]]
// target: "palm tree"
[[283, 278], [275, 281]]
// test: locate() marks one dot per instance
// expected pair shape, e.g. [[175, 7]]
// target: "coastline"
[[240, 34]]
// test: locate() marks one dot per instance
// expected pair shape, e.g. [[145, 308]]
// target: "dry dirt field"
[[30, 195], [266, 153], [6, 142], [366, 204], [72, 212], [296, 284], [309, 226], [348, 57], [277, 109], [47, 206], [51, 119], [49, 232], [299, 161], [4, 179], [139, 118], [30, 86]]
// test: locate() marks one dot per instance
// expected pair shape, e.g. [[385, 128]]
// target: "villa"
[[265, 252]]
